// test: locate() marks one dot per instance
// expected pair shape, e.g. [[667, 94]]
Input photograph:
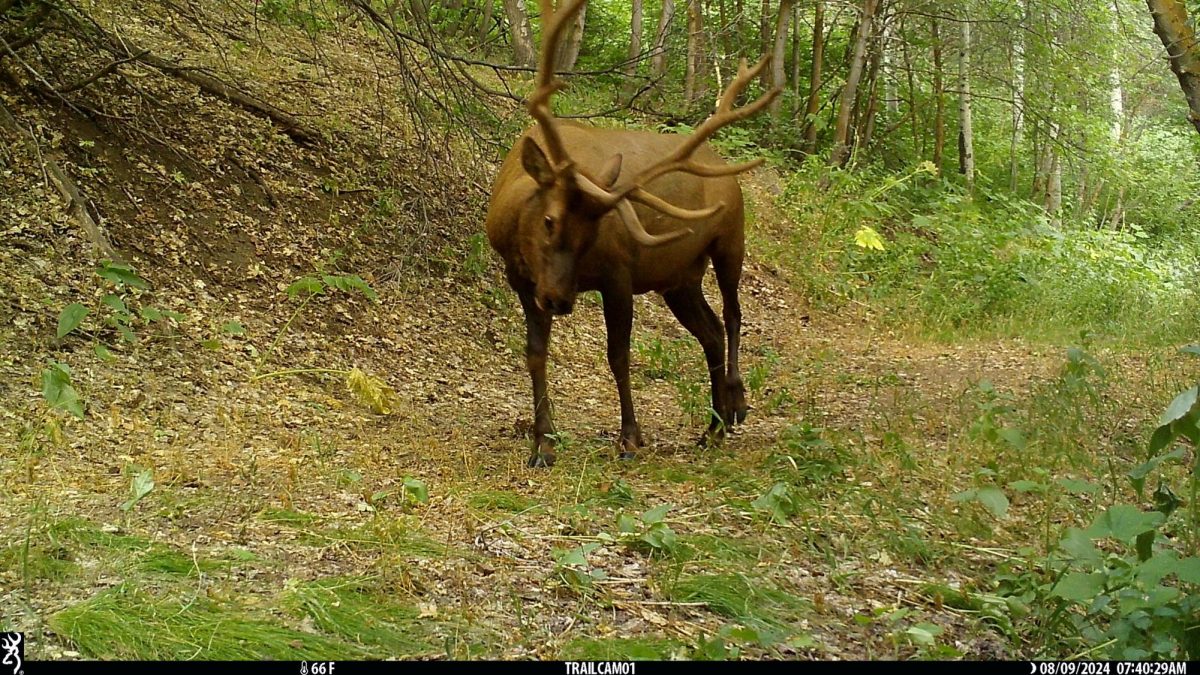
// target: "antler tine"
[[724, 115], [553, 23]]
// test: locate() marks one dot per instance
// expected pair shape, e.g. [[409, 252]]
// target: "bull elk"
[[578, 208]]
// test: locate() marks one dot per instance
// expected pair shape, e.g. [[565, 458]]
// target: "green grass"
[[499, 500], [348, 608], [168, 561], [395, 536], [129, 623], [754, 602], [619, 649]]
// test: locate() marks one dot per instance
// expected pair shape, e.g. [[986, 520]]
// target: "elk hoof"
[[740, 414], [543, 456], [630, 449]]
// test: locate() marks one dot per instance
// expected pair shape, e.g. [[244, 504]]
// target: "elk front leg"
[[618, 323], [537, 340]]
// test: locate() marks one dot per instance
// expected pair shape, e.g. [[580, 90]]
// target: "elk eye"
[[549, 223]]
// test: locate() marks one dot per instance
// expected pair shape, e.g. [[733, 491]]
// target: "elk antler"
[[553, 24], [680, 160]]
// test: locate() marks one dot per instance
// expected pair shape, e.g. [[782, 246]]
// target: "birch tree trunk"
[[1018, 103], [518, 24], [635, 46], [658, 60], [966, 136], [939, 99], [693, 87], [841, 133], [778, 53]]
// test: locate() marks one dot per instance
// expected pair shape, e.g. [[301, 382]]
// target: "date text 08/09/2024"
[[1109, 668]]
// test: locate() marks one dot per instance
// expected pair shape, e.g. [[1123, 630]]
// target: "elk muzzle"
[[556, 290]]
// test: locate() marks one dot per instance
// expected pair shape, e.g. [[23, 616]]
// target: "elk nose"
[[555, 305]]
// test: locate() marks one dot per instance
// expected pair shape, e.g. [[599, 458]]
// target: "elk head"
[[562, 220]]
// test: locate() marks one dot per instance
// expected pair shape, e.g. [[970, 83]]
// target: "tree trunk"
[[939, 100], [1183, 50], [814, 79], [891, 95], [485, 22], [1054, 178], [795, 52], [568, 49], [916, 122], [518, 23], [1018, 96], [635, 46], [841, 134], [693, 87], [966, 136], [764, 28], [866, 123], [658, 62], [779, 52]]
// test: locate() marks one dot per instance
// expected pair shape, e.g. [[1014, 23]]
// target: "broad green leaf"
[[1079, 586], [1188, 570], [151, 314], [115, 302], [58, 391], [1080, 546], [868, 238], [923, 634], [233, 328], [1076, 486], [142, 484], [993, 498], [416, 488], [1180, 407], [626, 524], [103, 353], [70, 318], [1013, 437], [121, 274], [308, 285], [1027, 486], [1152, 571], [1123, 522], [1138, 474], [656, 514], [350, 283]]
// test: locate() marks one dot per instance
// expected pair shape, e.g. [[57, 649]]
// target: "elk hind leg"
[[693, 311], [727, 264]]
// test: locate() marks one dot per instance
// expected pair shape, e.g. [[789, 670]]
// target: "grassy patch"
[[126, 622], [738, 597], [169, 561], [394, 536], [619, 649], [349, 609]]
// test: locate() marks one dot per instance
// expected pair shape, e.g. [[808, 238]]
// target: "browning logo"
[[12, 646]]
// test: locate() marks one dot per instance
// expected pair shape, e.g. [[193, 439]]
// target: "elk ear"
[[536, 164], [608, 174]]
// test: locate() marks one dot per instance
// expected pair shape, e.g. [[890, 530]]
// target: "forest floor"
[[212, 505]]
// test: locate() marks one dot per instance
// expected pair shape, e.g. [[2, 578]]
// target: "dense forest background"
[[262, 391]]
